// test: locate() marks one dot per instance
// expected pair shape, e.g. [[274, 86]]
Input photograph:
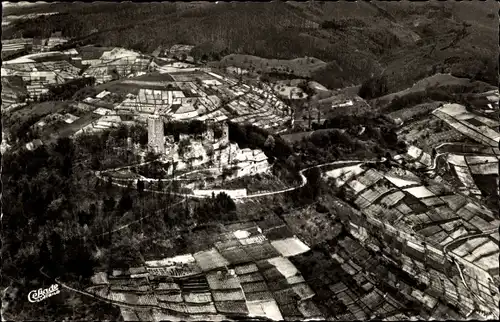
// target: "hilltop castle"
[[212, 147], [216, 133]]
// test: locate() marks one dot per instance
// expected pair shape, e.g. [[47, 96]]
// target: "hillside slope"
[[405, 41]]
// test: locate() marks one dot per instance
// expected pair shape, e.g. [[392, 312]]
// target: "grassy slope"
[[298, 66], [432, 81]]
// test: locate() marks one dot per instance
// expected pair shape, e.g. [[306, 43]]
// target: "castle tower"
[[225, 132], [156, 134], [209, 136]]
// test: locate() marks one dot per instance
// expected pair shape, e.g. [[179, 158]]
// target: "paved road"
[[302, 184]]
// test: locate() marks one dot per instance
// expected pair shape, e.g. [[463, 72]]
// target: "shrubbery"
[[67, 90], [453, 93], [219, 206], [247, 135], [374, 87], [194, 127]]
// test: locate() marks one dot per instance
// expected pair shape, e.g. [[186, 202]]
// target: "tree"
[[109, 184], [109, 204], [270, 142], [140, 186], [223, 203], [150, 156], [95, 163], [374, 87], [312, 188], [125, 203]]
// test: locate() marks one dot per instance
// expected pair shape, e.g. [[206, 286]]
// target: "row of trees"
[[194, 127], [248, 135], [65, 91], [374, 87], [453, 93]]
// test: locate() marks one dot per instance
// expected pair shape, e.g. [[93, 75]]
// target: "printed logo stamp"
[[41, 294]]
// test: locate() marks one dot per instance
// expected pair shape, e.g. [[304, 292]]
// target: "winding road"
[[99, 174]]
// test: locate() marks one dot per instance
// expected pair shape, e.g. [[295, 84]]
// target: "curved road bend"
[[301, 173], [304, 182]]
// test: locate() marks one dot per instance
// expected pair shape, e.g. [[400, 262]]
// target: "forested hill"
[[406, 41]]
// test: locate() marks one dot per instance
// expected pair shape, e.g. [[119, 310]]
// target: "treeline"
[[175, 128], [250, 136], [374, 87], [351, 121], [65, 91], [22, 131], [450, 93]]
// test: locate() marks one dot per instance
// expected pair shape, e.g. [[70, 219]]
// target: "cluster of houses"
[[42, 69], [191, 95]]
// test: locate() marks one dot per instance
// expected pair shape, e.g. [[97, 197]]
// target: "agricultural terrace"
[[353, 282], [470, 169], [428, 209], [198, 95], [477, 173], [451, 224], [449, 123], [478, 128], [247, 272]]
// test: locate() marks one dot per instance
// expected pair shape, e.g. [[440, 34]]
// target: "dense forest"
[[58, 218], [337, 139], [357, 40]]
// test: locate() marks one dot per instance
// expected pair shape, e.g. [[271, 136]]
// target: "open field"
[[434, 81], [302, 67]]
